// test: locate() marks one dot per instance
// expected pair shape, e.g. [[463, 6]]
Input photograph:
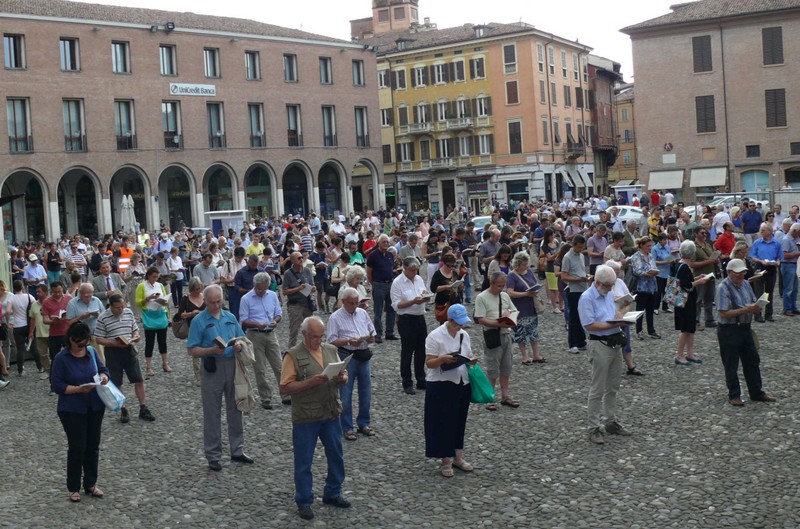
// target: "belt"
[[597, 337], [253, 329], [737, 324], [401, 316]]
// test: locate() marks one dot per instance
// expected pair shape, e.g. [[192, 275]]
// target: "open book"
[[457, 284], [758, 274], [363, 300], [334, 368], [763, 301], [61, 314], [124, 339], [426, 294], [466, 252], [162, 300], [629, 317], [306, 290], [511, 319], [223, 344], [535, 288], [627, 298], [709, 276]]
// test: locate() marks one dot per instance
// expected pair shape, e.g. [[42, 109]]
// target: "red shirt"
[[725, 243], [654, 198], [51, 307], [368, 246]]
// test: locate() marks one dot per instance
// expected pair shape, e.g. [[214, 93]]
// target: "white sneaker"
[[3, 384], [574, 350], [655, 312]]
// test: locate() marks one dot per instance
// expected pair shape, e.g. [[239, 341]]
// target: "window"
[[540, 57], [512, 93], [772, 43], [168, 60], [794, 148], [294, 126], [483, 106], [444, 148], [510, 58], [120, 57], [485, 144], [563, 64], [627, 136], [358, 73], [383, 78], [477, 68], [545, 133], [588, 135], [553, 95], [465, 146], [171, 123], [329, 126], [216, 126], [624, 113], [462, 109], [14, 49], [556, 134], [70, 56], [252, 66], [422, 113], [406, 152], [514, 137], [19, 127], [551, 60], [419, 76], [578, 97], [441, 111], [255, 112], [387, 117], [383, 15], [440, 73], [425, 149], [585, 63], [387, 154], [701, 53], [568, 126], [362, 132], [290, 68], [74, 134], [575, 68], [567, 96], [124, 125], [211, 62], [706, 121], [542, 92], [776, 107], [399, 13], [626, 158], [325, 70], [458, 72], [753, 151], [399, 79]]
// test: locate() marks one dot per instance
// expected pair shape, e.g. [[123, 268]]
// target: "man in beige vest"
[[315, 414]]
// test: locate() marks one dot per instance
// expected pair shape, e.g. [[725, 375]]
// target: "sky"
[[592, 22]]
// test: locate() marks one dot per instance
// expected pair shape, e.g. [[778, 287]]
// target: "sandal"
[[350, 436], [491, 407], [447, 470], [463, 465], [366, 430], [508, 401], [539, 361], [527, 362], [74, 497], [634, 371], [94, 492], [150, 373], [166, 368]]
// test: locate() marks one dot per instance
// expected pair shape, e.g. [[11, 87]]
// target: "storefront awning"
[[575, 177], [665, 180], [708, 177], [623, 183], [566, 178], [586, 179]]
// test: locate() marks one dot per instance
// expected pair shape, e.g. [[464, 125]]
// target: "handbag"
[[538, 304], [109, 393], [155, 319], [181, 329], [542, 263], [440, 311], [481, 390], [491, 338], [674, 295]]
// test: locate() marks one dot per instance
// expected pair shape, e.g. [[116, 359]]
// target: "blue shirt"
[[68, 370], [76, 307], [593, 307], [751, 221], [261, 309], [730, 297], [661, 253], [767, 251], [789, 245], [205, 328]]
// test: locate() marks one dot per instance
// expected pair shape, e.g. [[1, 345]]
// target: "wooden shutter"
[[776, 107], [578, 97], [425, 78], [772, 41], [401, 74], [491, 143], [411, 154], [701, 53], [413, 77], [416, 114], [512, 95], [398, 153], [391, 117], [446, 72], [387, 154], [488, 106], [481, 68], [456, 151], [402, 116], [450, 146], [472, 68], [459, 71]]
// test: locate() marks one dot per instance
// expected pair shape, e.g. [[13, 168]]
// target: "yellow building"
[[625, 170]]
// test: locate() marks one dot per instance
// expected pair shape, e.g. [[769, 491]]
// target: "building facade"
[[479, 112], [717, 97], [186, 113], [624, 170]]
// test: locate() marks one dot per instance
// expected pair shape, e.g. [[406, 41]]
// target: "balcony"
[[330, 140], [75, 143], [417, 128], [258, 141], [217, 141], [126, 142], [483, 121], [455, 124], [574, 149], [362, 141], [20, 144], [173, 141], [294, 138], [443, 164]]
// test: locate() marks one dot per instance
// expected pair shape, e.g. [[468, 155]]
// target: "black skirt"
[[446, 409]]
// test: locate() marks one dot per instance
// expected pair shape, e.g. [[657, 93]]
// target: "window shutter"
[[446, 72], [398, 152], [488, 106], [412, 154], [578, 97], [459, 70], [456, 148], [776, 107], [391, 117], [432, 70], [474, 104], [452, 110], [476, 144], [772, 40], [450, 146], [428, 112], [425, 78], [402, 116], [401, 75], [468, 112], [509, 54], [481, 68], [701, 53], [413, 78], [416, 114], [491, 143], [472, 69]]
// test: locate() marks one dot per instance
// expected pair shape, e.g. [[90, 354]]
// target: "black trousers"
[[736, 343], [576, 334], [413, 332], [766, 284], [661, 286], [20, 335], [83, 438], [647, 302], [150, 336]]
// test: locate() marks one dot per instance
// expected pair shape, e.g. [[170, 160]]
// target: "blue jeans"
[[356, 370], [468, 288], [789, 275], [304, 440], [566, 306], [381, 296]]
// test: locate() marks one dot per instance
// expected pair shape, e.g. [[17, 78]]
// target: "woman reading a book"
[[442, 284], [521, 288], [645, 270], [151, 296], [686, 316]]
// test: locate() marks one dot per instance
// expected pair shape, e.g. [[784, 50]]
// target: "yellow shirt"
[[255, 249], [289, 372]]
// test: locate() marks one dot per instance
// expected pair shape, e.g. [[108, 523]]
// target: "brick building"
[[187, 113]]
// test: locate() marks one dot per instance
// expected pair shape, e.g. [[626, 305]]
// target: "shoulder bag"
[[674, 295], [538, 304], [491, 337]]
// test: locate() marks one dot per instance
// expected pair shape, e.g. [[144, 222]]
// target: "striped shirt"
[[731, 297], [342, 324], [109, 325]]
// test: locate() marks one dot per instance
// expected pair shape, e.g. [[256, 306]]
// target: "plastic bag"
[[482, 390], [111, 396]]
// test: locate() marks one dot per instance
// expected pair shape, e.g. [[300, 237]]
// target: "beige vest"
[[322, 402]]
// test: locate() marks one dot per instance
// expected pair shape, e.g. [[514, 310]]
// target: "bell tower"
[[394, 15]]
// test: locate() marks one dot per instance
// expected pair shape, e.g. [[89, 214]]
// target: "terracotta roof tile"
[[702, 10]]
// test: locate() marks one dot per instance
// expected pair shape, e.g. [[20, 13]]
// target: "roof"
[[134, 15], [426, 37], [704, 10]]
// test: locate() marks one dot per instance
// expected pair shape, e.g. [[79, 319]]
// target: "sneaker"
[[667, 311], [640, 335], [655, 336], [573, 350], [711, 324], [596, 436], [583, 348], [3, 384], [44, 376], [124, 416], [615, 428], [655, 312], [145, 415], [305, 512], [40, 369]]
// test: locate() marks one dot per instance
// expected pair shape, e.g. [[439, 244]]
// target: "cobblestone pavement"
[[693, 461]]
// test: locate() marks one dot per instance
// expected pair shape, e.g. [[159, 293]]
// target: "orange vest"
[[124, 259]]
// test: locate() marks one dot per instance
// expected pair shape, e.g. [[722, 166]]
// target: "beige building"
[[624, 171], [186, 113], [717, 96]]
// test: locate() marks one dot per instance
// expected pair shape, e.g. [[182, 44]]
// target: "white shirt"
[[668, 198], [337, 227], [342, 324], [19, 308], [720, 219], [438, 343], [149, 290], [175, 266], [403, 289]]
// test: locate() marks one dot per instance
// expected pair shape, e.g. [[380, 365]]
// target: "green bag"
[[482, 390]]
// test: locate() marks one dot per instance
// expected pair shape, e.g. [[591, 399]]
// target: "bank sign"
[[183, 89]]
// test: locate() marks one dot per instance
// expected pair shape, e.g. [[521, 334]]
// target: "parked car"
[[728, 201], [625, 214], [480, 222]]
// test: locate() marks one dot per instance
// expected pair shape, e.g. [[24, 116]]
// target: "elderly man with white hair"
[[597, 310], [380, 274], [767, 254], [791, 250]]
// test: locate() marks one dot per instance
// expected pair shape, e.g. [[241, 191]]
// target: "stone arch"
[[297, 191], [175, 200], [261, 190], [367, 191], [131, 180], [79, 195], [332, 182], [28, 217], [219, 188]]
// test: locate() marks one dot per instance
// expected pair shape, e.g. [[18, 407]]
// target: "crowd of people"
[[77, 306]]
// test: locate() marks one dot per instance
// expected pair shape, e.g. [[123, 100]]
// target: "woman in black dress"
[[442, 280], [686, 316]]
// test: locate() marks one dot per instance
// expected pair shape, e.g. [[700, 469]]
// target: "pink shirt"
[[51, 307]]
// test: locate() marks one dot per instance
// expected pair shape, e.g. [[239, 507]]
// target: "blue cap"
[[458, 313]]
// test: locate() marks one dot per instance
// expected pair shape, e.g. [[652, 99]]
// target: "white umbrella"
[[131, 216]]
